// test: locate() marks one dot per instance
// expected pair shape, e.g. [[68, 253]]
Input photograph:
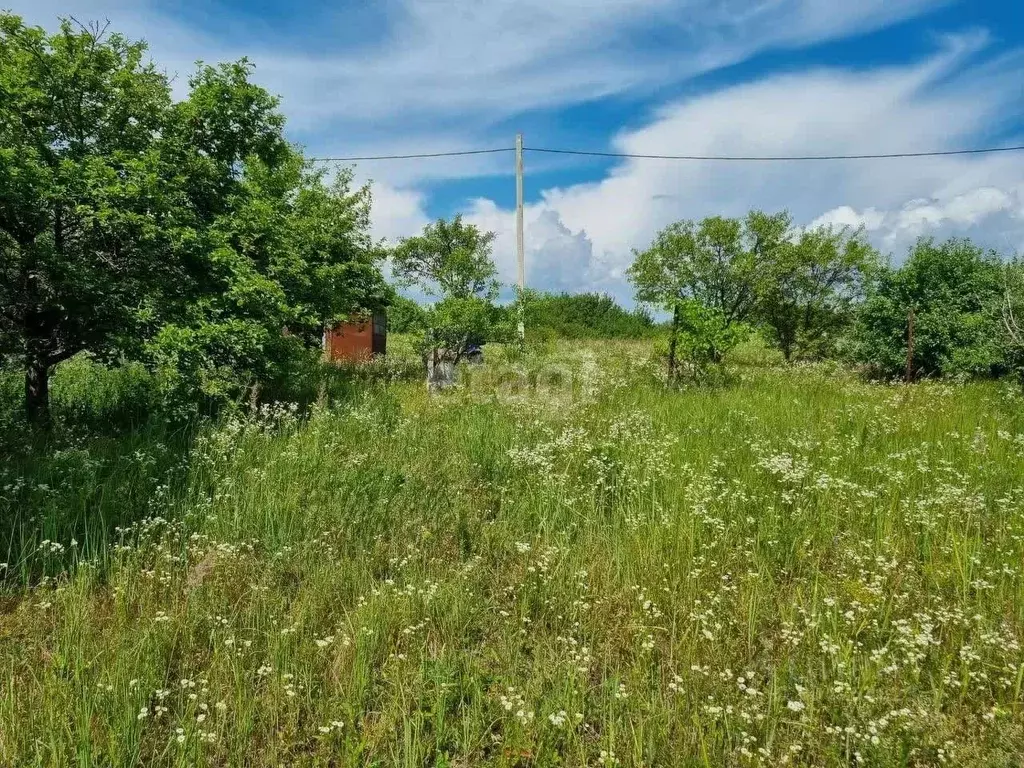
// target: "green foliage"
[[583, 316], [84, 211], [704, 334], [451, 259], [696, 350], [955, 291], [456, 323], [808, 285], [406, 316], [1012, 315], [189, 234], [286, 250], [704, 274], [296, 254], [705, 261], [204, 365], [87, 397]]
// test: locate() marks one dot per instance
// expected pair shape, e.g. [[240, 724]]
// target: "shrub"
[[406, 316], [584, 316], [954, 290]]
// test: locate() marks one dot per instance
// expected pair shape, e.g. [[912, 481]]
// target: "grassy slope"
[[569, 567]]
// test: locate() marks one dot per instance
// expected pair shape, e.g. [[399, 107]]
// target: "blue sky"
[[646, 76]]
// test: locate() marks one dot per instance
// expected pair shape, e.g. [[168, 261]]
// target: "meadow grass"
[[563, 562]]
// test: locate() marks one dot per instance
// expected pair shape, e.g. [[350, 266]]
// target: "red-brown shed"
[[358, 338]]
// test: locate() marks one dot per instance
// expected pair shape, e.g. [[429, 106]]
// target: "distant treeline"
[[950, 309], [549, 316], [585, 316]]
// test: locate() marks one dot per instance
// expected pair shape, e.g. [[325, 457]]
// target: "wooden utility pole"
[[520, 255], [909, 376]]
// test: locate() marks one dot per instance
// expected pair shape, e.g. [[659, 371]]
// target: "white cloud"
[[845, 216], [936, 104], [507, 56], [995, 216], [446, 71], [917, 217], [557, 258], [396, 212]]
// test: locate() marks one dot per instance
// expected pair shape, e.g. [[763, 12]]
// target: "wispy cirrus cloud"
[[443, 71]]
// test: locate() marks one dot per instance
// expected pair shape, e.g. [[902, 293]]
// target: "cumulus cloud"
[[939, 103], [397, 213], [917, 217], [557, 258], [869, 219], [994, 216]]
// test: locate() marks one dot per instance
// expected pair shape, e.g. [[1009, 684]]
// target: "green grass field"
[[562, 563]]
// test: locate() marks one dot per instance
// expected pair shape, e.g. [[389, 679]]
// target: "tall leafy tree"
[[217, 326], [282, 245], [189, 233], [451, 260], [81, 200], [291, 252], [808, 284], [703, 273]]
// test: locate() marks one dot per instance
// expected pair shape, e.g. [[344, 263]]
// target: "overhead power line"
[[777, 158], [412, 157], [713, 158]]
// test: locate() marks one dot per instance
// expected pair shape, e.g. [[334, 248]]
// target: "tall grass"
[[562, 563], [104, 465]]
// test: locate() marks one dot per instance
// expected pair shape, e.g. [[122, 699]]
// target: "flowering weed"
[[589, 569]]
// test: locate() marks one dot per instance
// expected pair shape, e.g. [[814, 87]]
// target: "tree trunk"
[[909, 374], [37, 393], [440, 370], [672, 343], [786, 342]]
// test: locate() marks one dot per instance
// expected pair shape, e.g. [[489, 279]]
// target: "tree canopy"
[[189, 234], [583, 316], [955, 291], [704, 274], [84, 213], [808, 284], [719, 275], [451, 260], [706, 261]]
